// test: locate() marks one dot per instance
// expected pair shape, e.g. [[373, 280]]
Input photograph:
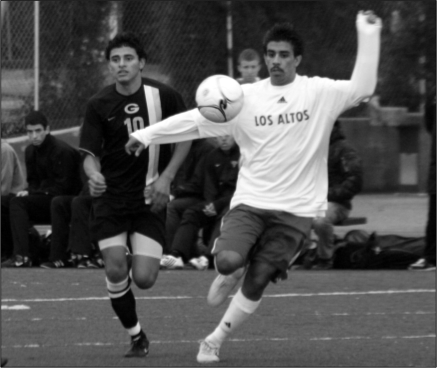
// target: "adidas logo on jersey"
[[282, 100]]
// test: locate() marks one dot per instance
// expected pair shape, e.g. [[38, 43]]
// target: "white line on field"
[[57, 318], [288, 295], [16, 307], [100, 344]]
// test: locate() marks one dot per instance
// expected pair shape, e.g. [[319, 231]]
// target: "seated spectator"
[[12, 182], [71, 244], [428, 260], [345, 181], [220, 181], [249, 65], [52, 169], [187, 187]]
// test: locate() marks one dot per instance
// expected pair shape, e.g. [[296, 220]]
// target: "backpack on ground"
[[361, 250]]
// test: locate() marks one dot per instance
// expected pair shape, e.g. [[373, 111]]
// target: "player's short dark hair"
[[284, 32], [36, 118], [126, 39], [248, 55]]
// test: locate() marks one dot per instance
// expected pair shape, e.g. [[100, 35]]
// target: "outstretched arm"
[[364, 76], [180, 127]]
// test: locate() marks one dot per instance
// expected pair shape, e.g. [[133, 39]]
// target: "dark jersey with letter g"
[[109, 119]]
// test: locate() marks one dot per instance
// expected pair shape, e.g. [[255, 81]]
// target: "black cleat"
[[4, 361], [139, 347]]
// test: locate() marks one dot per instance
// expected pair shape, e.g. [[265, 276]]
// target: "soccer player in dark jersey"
[[130, 193]]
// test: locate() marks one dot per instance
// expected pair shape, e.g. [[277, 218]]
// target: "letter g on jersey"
[[131, 108]]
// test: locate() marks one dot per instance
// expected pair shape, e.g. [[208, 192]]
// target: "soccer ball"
[[219, 98]]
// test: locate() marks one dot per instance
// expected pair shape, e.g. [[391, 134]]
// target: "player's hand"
[[97, 184], [209, 210], [160, 193], [134, 146], [367, 21], [23, 193]]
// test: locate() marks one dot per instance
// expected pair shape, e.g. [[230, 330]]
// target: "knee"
[[116, 271], [77, 202], [144, 280], [256, 281], [190, 216], [228, 261]]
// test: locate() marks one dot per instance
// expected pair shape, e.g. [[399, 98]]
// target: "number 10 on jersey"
[[134, 124]]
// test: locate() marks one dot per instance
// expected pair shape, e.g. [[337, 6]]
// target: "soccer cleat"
[[55, 264], [139, 347], [200, 263], [170, 262], [422, 265], [17, 261], [222, 286], [207, 353], [4, 361]]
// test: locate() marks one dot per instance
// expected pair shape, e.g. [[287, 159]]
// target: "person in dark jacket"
[[187, 187], [220, 182], [428, 261], [345, 181], [70, 240], [52, 169]]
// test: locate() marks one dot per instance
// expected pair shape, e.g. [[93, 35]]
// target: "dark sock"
[[138, 336], [125, 308]]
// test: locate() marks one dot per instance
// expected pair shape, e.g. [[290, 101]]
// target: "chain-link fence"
[[187, 41]]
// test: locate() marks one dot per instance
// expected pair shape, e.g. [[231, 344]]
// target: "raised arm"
[[185, 126], [364, 76]]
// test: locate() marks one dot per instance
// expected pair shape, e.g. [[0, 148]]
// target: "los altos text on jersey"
[[285, 119]]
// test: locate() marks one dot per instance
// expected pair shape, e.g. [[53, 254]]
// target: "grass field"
[[62, 318]]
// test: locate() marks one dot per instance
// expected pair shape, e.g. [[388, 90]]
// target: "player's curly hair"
[[284, 32], [126, 39]]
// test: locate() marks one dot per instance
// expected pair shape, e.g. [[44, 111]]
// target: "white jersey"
[[283, 134]]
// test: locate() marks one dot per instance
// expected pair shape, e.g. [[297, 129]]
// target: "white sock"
[[238, 311], [135, 330]]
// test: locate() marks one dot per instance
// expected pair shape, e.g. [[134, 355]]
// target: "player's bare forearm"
[[96, 181], [91, 164]]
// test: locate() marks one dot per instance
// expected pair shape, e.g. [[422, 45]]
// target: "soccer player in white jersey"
[[283, 133]]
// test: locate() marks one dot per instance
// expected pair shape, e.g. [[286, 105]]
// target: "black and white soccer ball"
[[219, 98]]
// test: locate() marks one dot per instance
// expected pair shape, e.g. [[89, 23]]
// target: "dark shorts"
[[274, 237], [112, 217]]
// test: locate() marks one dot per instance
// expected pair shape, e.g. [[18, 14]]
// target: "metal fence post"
[[36, 56]]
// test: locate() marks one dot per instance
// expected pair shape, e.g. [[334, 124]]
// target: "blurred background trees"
[[186, 42]]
